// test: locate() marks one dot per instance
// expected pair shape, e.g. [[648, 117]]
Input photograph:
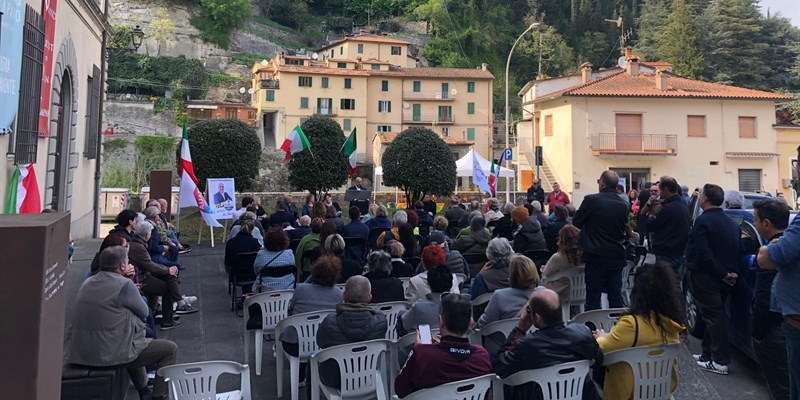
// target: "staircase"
[[547, 176]]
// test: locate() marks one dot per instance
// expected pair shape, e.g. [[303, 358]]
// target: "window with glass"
[[347, 104], [470, 133], [376, 67], [384, 86], [341, 65], [360, 48], [471, 108], [348, 83], [384, 106], [304, 81], [417, 86], [270, 95], [470, 87], [346, 124], [397, 51], [384, 128], [304, 102], [325, 82], [230, 112]]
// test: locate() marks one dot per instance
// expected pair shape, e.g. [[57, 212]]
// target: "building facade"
[[644, 123], [64, 145], [207, 109], [370, 83], [788, 142]]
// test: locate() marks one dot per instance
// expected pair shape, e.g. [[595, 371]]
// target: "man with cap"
[[453, 261]]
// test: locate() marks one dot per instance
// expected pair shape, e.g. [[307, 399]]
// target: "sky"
[[787, 8]]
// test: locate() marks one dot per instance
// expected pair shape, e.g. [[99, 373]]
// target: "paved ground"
[[215, 333]]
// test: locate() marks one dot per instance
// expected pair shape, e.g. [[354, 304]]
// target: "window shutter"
[[696, 125], [747, 127]]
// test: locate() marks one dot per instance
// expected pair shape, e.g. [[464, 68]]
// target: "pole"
[[508, 110]]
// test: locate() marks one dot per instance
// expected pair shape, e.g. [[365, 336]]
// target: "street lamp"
[[508, 110], [136, 37]]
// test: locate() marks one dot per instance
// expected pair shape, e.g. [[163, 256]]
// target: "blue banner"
[[10, 60]]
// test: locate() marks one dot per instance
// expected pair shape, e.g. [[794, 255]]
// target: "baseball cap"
[[437, 237]]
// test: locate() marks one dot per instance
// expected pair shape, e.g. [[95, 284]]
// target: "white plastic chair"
[[467, 389], [274, 308], [340, 286], [558, 382], [504, 326], [405, 281], [577, 289], [362, 370], [652, 369], [198, 381], [306, 325], [482, 299], [627, 286], [603, 319], [392, 310], [461, 278]]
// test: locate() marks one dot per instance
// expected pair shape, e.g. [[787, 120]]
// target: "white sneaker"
[[189, 299], [711, 366]]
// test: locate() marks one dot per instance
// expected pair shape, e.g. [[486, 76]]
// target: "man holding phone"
[[446, 359]]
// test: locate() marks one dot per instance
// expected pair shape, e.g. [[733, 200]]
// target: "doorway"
[[629, 132], [632, 178], [269, 125], [62, 151]]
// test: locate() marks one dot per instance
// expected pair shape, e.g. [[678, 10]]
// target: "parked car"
[[739, 303]]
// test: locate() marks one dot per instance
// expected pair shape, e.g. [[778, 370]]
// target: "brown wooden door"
[[629, 132]]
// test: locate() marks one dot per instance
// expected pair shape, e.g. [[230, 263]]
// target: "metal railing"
[[429, 95], [325, 111], [626, 143], [270, 84], [428, 118]]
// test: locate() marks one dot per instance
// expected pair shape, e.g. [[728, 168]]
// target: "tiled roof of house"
[[750, 154], [624, 84], [366, 37], [431, 72], [388, 137], [322, 70]]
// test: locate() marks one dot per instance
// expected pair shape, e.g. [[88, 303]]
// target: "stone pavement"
[[215, 333]]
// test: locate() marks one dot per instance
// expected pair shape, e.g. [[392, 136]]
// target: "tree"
[[325, 167], [419, 162], [651, 21], [679, 42], [736, 56], [224, 148], [219, 18], [782, 53]]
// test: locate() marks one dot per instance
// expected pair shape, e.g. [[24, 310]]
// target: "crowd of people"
[[467, 251]]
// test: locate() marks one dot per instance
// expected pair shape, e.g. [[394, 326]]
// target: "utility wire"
[[453, 25]]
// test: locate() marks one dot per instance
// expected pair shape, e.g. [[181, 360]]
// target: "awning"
[[749, 154]]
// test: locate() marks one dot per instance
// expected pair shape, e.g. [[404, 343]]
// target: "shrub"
[[224, 148], [418, 161], [327, 168]]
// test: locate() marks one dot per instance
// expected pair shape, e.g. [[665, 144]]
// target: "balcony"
[[270, 84], [326, 111], [432, 96], [632, 144], [434, 119]]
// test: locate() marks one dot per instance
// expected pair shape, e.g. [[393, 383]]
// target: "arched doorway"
[[62, 150]]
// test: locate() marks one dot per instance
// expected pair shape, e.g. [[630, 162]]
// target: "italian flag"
[[190, 195], [295, 143], [493, 180], [349, 148], [23, 192]]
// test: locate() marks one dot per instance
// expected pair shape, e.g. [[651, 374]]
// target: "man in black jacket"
[[553, 343], [281, 216], [603, 221], [535, 192], [669, 228], [771, 218], [712, 258]]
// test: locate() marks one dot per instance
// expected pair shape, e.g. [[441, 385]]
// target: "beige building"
[[788, 141], [370, 83], [65, 158], [645, 123]]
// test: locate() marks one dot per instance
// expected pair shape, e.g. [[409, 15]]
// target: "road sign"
[[507, 154]]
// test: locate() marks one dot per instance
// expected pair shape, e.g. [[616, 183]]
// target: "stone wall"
[[137, 118]]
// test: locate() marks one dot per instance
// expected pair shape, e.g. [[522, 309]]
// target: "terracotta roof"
[[748, 154], [306, 69], [622, 84], [375, 61], [431, 72], [366, 37], [657, 63], [388, 137]]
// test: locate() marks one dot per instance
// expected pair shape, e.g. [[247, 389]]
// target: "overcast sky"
[[787, 8]]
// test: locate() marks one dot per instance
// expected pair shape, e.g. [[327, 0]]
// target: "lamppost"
[[137, 35], [508, 110]]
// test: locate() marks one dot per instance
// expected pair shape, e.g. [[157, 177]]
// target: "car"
[[739, 317]]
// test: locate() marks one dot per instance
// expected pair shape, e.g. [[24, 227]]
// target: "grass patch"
[[272, 24], [189, 223], [277, 39], [246, 59], [217, 80]]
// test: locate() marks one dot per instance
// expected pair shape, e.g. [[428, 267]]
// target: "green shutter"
[[324, 82], [304, 102], [388, 106], [415, 112], [470, 133], [470, 108], [346, 125], [348, 83], [270, 95], [417, 86], [471, 87], [384, 86]]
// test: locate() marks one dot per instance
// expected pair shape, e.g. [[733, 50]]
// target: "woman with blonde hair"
[[506, 303], [567, 257]]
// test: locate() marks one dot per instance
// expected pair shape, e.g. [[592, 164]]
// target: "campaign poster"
[[222, 197]]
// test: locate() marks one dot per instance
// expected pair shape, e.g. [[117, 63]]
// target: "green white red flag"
[[190, 195], [349, 148], [295, 142], [23, 192]]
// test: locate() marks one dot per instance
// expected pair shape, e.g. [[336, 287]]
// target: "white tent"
[[464, 166]]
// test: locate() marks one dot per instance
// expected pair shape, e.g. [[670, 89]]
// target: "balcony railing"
[[436, 95], [327, 111], [270, 84], [412, 118], [633, 144]]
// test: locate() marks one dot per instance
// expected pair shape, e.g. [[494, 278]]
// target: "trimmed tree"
[[324, 166], [224, 148], [419, 162]]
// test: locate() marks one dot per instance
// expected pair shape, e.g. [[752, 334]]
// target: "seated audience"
[[539, 215], [243, 242], [385, 287], [282, 217], [303, 228], [355, 321], [334, 245], [257, 232], [271, 263], [528, 235], [333, 217], [108, 327], [453, 216], [654, 318], [400, 218], [355, 229], [328, 202], [426, 309], [552, 230], [400, 268], [505, 225], [316, 296], [567, 257], [551, 343], [309, 242], [465, 222], [449, 358], [308, 206], [453, 261], [161, 249], [494, 274], [418, 287], [381, 219], [440, 226], [475, 242], [493, 212]]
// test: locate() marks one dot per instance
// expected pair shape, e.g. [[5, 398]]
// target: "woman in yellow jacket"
[[654, 319]]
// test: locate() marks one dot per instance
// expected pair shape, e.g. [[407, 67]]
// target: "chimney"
[[661, 80], [632, 64], [586, 72], [483, 66], [359, 65]]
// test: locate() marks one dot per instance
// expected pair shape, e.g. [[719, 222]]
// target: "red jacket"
[[430, 365], [554, 199]]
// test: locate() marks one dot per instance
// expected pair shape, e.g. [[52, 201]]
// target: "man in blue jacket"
[[669, 227], [712, 258]]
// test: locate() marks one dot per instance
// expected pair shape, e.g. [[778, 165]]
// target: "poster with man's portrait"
[[221, 197]]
